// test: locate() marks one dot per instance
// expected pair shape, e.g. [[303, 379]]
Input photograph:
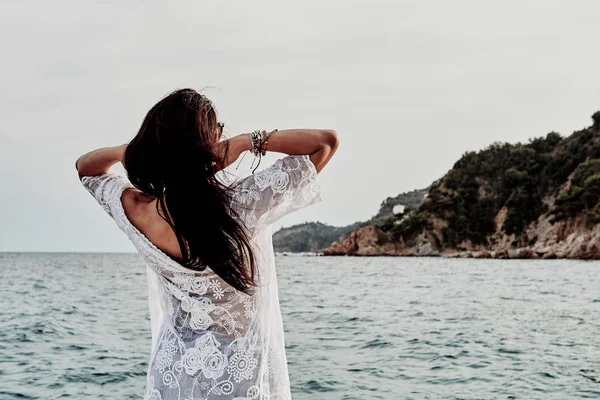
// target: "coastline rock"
[[367, 241], [550, 255], [526, 253], [593, 249], [426, 249], [571, 238], [512, 253], [502, 254], [336, 249], [481, 254]]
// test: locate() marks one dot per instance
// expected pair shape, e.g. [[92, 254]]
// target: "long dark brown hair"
[[172, 159]]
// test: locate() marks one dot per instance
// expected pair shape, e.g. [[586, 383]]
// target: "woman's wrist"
[[244, 142]]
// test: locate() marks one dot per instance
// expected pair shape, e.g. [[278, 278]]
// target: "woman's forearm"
[[301, 141], [319, 144], [99, 161]]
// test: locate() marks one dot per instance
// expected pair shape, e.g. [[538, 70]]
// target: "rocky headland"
[[539, 199]]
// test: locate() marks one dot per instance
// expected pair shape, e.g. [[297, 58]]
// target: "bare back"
[[141, 212]]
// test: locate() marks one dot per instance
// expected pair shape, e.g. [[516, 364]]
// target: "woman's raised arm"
[[319, 144], [97, 162]]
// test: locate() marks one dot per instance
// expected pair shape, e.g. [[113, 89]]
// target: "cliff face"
[[535, 200], [565, 239]]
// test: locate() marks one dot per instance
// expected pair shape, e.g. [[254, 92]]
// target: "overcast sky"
[[408, 85]]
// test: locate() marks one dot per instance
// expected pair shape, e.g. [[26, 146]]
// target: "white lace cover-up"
[[209, 340]]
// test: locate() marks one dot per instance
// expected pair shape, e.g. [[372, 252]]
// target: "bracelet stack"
[[255, 139], [259, 140]]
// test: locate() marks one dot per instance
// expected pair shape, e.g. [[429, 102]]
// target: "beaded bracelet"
[[255, 139], [258, 140], [266, 141], [259, 150]]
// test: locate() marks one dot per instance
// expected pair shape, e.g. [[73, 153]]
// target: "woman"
[[217, 331]]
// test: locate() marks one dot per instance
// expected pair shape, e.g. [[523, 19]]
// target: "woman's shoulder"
[[141, 212]]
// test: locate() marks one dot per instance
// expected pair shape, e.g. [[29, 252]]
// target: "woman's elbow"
[[330, 138], [78, 166]]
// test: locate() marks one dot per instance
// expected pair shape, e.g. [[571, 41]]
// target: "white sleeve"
[[289, 184], [106, 189]]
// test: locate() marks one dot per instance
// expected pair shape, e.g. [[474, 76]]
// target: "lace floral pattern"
[[164, 358], [214, 342], [287, 185]]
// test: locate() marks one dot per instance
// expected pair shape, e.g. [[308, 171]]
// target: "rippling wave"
[[356, 328]]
